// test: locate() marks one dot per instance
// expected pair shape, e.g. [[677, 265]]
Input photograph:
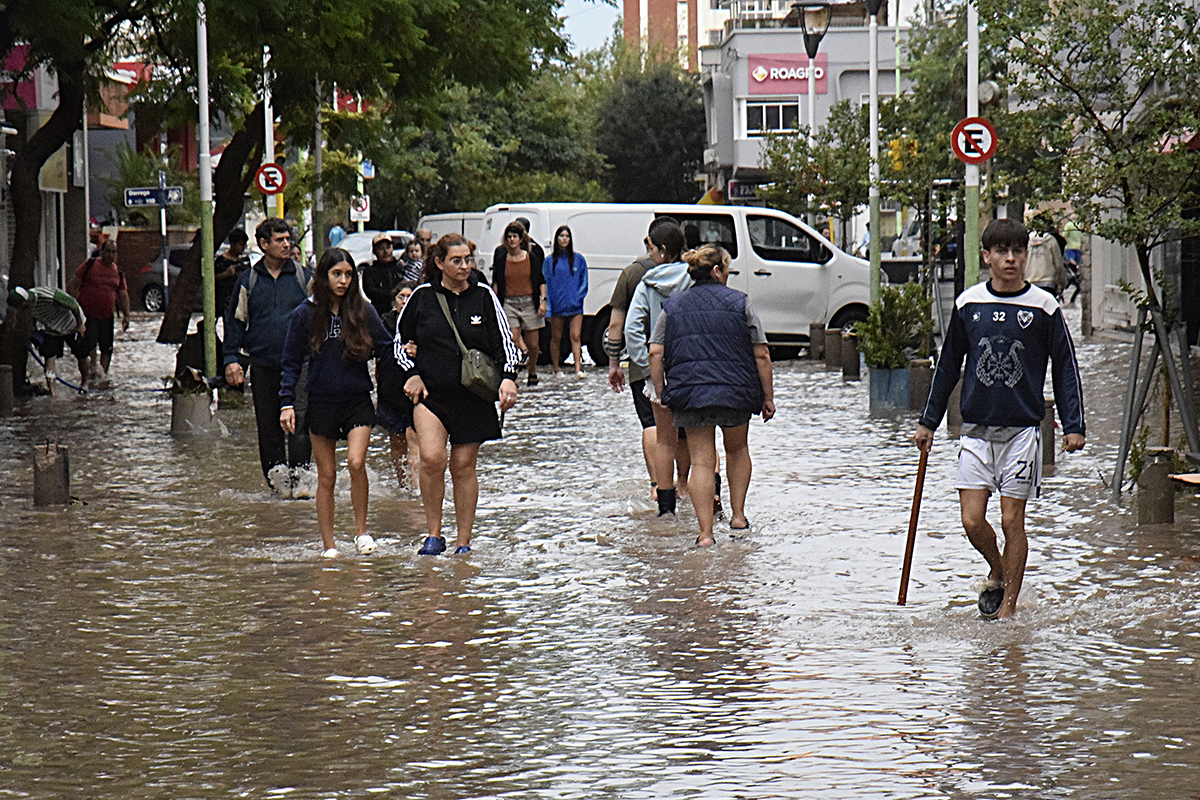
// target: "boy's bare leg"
[[979, 531], [1016, 551]]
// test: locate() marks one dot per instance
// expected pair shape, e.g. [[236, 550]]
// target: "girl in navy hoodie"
[[337, 331]]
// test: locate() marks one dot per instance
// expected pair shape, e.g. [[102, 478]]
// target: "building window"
[[771, 118]]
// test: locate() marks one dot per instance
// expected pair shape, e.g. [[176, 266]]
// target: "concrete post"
[[850, 371], [1048, 449], [1156, 492], [51, 476], [6, 390], [833, 348], [816, 341], [920, 379]]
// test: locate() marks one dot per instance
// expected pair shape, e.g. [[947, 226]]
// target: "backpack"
[[242, 312]]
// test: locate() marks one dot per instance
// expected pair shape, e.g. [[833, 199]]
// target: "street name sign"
[[143, 196], [973, 140]]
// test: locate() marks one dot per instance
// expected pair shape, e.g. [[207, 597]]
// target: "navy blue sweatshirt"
[[330, 376], [1007, 339], [256, 322]]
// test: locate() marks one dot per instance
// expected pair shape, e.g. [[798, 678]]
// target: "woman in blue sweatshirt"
[[566, 287], [337, 331]]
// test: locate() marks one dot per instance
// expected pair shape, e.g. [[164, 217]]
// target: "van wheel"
[[595, 335], [152, 298], [845, 319]]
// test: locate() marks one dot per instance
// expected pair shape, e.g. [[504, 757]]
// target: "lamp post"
[[873, 7], [815, 21]]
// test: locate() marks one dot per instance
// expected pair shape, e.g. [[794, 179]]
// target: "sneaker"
[[330, 553], [364, 544], [533, 380], [433, 546], [304, 483], [581, 375], [280, 480], [465, 548], [990, 599]]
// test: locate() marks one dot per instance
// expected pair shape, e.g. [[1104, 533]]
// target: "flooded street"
[[177, 634]]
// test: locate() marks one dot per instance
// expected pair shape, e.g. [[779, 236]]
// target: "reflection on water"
[[178, 636]]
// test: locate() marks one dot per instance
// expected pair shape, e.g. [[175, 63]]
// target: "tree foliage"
[[651, 131], [835, 170], [898, 327], [1123, 76]]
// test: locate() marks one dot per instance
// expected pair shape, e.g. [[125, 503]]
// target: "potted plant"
[[191, 402], [897, 330]]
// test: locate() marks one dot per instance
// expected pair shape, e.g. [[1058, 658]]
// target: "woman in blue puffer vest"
[[710, 364]]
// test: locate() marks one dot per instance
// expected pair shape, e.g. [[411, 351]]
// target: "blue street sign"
[[143, 196]]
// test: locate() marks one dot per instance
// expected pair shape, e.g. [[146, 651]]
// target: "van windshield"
[[701, 229], [776, 239]]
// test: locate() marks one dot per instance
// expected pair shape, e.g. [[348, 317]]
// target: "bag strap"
[[446, 310]]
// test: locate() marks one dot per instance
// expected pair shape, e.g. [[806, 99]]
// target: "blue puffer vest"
[[709, 359]]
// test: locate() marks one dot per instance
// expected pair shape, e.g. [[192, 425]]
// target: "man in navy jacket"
[[1007, 330], [256, 323]]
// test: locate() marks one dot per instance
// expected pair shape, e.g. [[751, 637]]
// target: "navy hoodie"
[[331, 377]]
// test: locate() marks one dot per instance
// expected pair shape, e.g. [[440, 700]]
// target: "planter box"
[[889, 392], [190, 413]]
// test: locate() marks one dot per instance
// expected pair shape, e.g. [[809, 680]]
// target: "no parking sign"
[[973, 140]]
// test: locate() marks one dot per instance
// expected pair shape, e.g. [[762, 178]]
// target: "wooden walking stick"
[[912, 527]]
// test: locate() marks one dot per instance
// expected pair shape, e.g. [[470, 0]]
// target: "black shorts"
[[51, 346], [641, 403], [468, 418], [335, 419], [99, 332], [395, 415]]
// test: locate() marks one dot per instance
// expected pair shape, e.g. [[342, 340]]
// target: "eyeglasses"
[[459, 261]]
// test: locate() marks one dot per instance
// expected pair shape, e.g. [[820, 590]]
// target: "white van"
[[466, 223], [794, 275]]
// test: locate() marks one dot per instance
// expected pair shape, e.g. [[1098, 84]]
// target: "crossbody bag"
[[480, 374]]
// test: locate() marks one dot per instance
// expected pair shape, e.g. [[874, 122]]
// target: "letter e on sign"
[[973, 140]]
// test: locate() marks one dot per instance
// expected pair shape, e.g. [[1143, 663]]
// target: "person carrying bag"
[[480, 373]]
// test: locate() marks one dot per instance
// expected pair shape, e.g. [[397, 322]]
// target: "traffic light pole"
[[873, 232]]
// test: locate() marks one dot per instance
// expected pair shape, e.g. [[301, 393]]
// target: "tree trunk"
[[232, 177], [27, 211]]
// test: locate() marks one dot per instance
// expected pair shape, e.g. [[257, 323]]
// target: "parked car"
[[794, 275], [149, 288]]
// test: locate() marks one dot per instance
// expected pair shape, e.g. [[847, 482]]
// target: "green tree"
[[75, 39], [835, 171], [651, 132], [395, 53]]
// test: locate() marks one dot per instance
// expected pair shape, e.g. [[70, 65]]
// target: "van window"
[[701, 229], [776, 239]]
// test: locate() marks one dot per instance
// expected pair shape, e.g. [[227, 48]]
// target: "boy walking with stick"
[[1007, 330]]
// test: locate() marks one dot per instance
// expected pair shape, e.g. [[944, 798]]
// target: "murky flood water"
[[177, 635]]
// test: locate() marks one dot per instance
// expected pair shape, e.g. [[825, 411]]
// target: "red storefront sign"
[[785, 73]]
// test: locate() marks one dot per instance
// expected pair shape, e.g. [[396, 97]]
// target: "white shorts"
[[1012, 468]]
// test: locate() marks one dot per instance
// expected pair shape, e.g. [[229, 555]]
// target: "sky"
[[588, 24]]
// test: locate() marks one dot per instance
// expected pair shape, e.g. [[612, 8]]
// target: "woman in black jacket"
[[519, 283], [444, 409]]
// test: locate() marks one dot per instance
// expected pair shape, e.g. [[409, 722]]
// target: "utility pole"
[[206, 200], [971, 223]]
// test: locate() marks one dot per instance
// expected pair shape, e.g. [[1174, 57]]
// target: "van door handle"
[[762, 272], [735, 272]]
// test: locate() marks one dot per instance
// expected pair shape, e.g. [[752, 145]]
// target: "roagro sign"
[[785, 73]]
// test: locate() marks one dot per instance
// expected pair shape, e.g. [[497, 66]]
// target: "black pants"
[[275, 446]]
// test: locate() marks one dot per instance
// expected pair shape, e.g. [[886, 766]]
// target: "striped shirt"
[[54, 310]]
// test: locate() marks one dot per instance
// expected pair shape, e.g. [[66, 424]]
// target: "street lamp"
[[873, 242], [814, 18]]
